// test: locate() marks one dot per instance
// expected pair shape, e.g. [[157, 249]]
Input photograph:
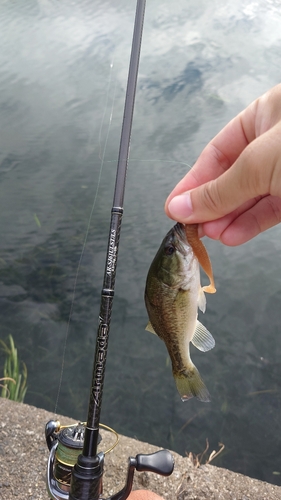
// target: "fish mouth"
[[180, 236], [179, 229]]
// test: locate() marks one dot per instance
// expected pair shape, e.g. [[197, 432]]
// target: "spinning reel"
[[69, 480]]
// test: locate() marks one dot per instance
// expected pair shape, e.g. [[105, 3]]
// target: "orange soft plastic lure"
[[191, 231]]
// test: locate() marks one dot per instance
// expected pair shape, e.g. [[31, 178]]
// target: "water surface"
[[63, 72]]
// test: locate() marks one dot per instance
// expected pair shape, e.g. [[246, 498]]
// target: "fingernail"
[[180, 207]]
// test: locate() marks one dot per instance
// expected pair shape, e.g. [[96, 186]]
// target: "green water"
[[63, 72]]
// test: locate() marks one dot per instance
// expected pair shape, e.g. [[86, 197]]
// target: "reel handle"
[[161, 462]]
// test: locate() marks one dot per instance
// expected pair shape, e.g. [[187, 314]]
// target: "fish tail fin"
[[189, 384]]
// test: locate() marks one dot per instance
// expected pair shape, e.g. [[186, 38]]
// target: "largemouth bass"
[[173, 294]]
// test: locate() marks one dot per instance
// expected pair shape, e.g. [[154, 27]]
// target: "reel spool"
[[70, 445]]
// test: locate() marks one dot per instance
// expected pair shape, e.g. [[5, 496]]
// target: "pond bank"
[[24, 458]]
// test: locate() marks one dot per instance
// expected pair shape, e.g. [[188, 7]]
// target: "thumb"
[[253, 174]]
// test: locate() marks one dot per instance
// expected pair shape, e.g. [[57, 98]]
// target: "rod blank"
[[92, 428]]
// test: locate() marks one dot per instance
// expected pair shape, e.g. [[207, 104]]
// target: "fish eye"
[[169, 250]]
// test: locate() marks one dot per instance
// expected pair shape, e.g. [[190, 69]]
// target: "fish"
[[173, 294]]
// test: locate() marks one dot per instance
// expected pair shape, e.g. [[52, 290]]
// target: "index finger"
[[220, 153]]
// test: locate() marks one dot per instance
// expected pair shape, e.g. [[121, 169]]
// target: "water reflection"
[[62, 82]]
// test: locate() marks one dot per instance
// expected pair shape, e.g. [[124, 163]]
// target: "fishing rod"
[[75, 467]]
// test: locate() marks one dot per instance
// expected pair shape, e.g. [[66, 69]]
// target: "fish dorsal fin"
[[150, 328], [201, 300], [202, 338], [200, 252]]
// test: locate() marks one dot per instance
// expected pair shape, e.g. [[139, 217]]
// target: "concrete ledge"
[[24, 455]]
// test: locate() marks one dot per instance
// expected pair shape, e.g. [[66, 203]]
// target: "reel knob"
[[161, 462]]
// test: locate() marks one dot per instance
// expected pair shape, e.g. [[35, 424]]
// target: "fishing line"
[[175, 162], [101, 156], [103, 116]]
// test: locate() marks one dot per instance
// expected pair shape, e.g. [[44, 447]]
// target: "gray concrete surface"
[[24, 455]]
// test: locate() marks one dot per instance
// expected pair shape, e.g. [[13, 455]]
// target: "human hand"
[[143, 495], [234, 188]]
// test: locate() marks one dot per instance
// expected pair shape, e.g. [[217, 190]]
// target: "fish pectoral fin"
[[150, 328], [202, 338], [202, 300]]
